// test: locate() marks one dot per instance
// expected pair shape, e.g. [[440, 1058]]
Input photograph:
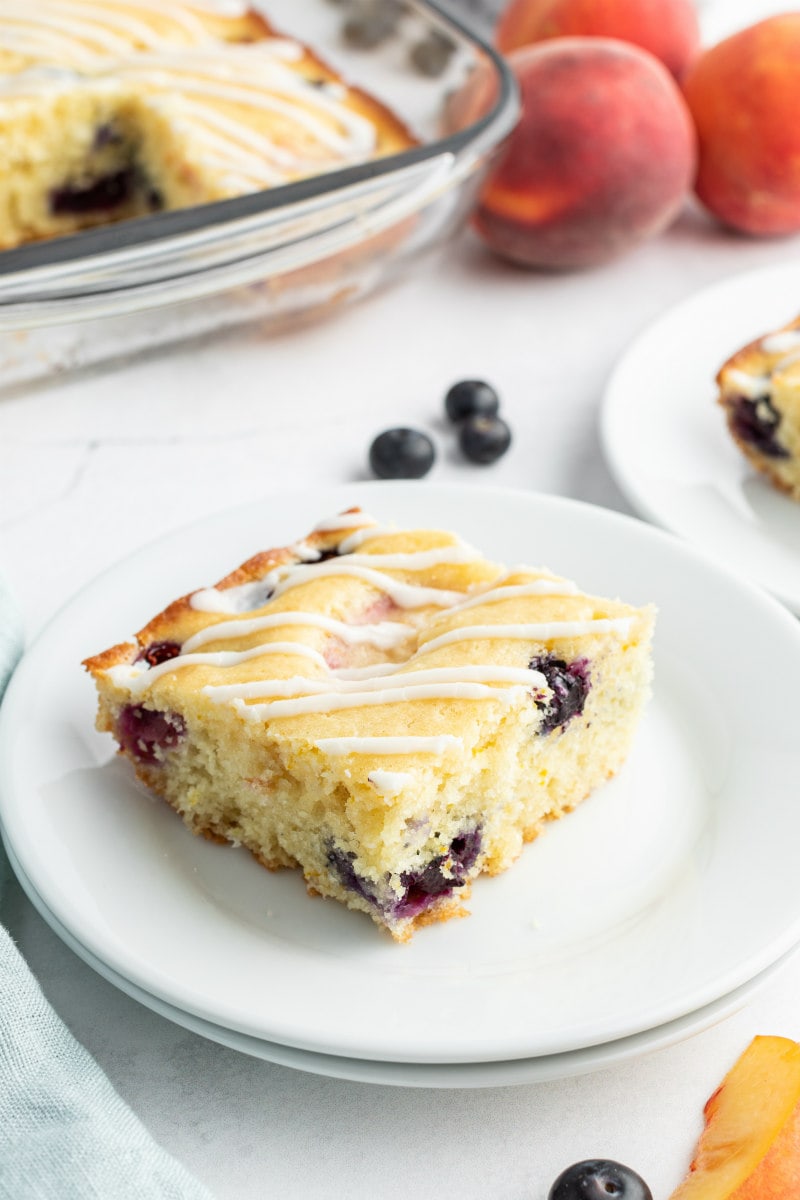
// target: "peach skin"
[[667, 28], [602, 157], [744, 95]]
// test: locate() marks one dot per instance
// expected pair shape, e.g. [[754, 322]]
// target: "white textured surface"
[[94, 467]]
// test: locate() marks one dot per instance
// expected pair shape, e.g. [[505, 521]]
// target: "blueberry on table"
[[431, 55], [484, 439], [599, 1179], [471, 398], [401, 454]]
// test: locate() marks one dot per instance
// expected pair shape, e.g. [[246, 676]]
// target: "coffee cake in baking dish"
[[383, 708], [118, 108]]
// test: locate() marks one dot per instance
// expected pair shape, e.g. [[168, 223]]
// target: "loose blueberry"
[[431, 55], [401, 454], [570, 684], [158, 652], [370, 22], [599, 1179], [471, 398], [146, 734], [484, 439], [756, 422]]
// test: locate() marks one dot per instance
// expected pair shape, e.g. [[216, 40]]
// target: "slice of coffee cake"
[[384, 708], [759, 389]]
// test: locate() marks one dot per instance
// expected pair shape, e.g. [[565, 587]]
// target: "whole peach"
[[667, 28], [602, 157], [744, 95]]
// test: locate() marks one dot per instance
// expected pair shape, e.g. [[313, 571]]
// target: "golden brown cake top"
[[254, 104], [363, 633]]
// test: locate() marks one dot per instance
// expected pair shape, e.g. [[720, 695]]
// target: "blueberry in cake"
[[759, 389], [383, 708], [118, 108]]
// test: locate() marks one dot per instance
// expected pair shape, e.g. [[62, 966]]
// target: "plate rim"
[[376, 1072], [777, 947]]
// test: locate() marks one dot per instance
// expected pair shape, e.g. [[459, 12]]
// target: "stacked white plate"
[[651, 912]]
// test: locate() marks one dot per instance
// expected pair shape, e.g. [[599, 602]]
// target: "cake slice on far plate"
[[384, 708], [759, 389]]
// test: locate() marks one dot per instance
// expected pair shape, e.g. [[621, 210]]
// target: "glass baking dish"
[[276, 255]]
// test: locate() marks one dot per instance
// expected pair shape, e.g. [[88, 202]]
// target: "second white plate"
[[427, 1075], [667, 890], [667, 442]]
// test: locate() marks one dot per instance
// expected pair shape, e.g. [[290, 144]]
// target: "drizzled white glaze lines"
[[390, 745], [290, 575], [544, 631], [390, 783], [331, 701], [781, 342], [749, 386], [138, 677], [347, 520], [385, 635], [541, 587], [398, 681], [169, 52]]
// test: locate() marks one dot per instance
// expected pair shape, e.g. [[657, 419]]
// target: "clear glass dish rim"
[[156, 237]]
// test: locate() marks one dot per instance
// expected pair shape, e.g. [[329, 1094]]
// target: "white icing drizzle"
[[248, 596], [377, 683], [781, 342], [330, 701], [365, 535], [544, 631], [541, 587], [404, 595], [168, 52], [138, 677], [390, 745], [385, 635], [390, 783], [378, 686], [348, 520], [750, 386]]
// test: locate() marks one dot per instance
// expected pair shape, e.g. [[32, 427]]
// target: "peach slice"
[[750, 1146]]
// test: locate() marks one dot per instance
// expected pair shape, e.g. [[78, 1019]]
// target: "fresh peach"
[[750, 1147], [744, 95], [602, 157], [667, 28]]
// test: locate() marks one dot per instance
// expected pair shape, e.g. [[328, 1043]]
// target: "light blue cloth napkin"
[[65, 1134]]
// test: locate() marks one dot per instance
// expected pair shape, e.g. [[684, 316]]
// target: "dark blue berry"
[[146, 734], [599, 1179], [570, 684], [401, 454], [484, 439], [158, 652], [471, 398], [431, 55], [756, 422], [423, 885], [104, 194]]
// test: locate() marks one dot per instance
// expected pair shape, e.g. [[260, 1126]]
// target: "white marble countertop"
[[93, 467]]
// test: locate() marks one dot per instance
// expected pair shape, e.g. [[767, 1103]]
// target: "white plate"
[[667, 442], [669, 888], [426, 1075]]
